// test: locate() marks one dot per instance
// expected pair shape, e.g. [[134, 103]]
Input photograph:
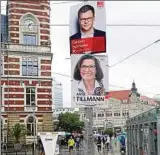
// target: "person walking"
[[77, 143], [71, 144], [99, 144], [108, 142], [104, 141]]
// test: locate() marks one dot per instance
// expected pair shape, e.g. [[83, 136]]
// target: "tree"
[[18, 131], [70, 122], [109, 132]]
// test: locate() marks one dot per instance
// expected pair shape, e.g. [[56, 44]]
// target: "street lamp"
[[34, 126]]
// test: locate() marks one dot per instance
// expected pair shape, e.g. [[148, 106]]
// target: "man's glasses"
[[88, 67], [86, 19]]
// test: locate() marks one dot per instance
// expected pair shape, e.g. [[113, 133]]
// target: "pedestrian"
[[78, 142], [104, 140], [123, 144], [99, 143], [71, 144], [108, 141], [42, 152]]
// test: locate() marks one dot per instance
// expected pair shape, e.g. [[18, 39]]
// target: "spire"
[[134, 89]]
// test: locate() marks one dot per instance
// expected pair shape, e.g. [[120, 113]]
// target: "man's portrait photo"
[[88, 36]]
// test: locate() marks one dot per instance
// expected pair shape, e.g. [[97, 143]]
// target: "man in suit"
[[86, 17]]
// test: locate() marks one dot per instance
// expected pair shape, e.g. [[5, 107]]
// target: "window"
[[29, 39], [108, 113], [30, 96], [29, 67], [31, 126], [117, 114], [29, 30]]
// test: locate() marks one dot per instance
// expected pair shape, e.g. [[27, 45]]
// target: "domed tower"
[[134, 96]]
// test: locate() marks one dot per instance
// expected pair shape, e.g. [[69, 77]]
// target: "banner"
[[89, 79], [49, 141], [88, 28]]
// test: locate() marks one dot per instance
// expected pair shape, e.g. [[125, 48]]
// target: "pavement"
[[114, 150]]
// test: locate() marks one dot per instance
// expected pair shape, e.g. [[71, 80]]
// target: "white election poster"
[[89, 79], [49, 140]]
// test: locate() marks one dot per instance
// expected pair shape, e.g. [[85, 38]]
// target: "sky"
[[124, 37]]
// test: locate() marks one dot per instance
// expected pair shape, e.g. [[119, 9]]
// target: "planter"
[[17, 146]]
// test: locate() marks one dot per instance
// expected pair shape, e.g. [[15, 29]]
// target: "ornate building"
[[121, 105], [26, 82]]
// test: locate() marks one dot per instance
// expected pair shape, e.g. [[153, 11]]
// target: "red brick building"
[[26, 67]]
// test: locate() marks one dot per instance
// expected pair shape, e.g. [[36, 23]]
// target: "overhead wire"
[[129, 56]]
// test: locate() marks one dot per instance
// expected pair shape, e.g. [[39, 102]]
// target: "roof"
[[151, 101], [124, 95], [120, 94]]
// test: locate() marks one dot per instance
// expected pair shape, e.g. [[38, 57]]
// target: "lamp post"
[[34, 126]]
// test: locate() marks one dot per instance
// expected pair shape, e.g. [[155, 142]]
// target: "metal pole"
[[158, 135], [0, 83], [34, 127], [89, 149]]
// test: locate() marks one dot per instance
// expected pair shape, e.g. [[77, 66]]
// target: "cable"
[[61, 74], [134, 53], [66, 2]]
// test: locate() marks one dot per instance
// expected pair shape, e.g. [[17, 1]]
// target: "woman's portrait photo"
[[89, 76]]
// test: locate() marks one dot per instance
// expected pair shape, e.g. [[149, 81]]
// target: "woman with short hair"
[[89, 75]]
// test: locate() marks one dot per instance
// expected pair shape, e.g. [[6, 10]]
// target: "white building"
[[57, 94], [120, 106]]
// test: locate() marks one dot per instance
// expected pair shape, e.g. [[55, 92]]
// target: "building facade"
[[57, 94], [121, 105], [26, 81]]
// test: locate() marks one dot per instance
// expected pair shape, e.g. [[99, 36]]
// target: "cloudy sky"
[[130, 27]]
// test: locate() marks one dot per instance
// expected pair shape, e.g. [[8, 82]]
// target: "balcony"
[[25, 48]]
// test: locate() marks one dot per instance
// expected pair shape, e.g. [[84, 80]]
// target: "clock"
[[29, 25]]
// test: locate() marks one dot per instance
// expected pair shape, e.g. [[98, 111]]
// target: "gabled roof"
[[120, 94]]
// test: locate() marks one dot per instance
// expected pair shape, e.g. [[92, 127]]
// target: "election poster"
[[88, 28], [89, 84]]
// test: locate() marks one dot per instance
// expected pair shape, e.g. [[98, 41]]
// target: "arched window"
[[31, 126], [29, 26]]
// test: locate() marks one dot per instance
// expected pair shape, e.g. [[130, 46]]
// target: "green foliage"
[[18, 131], [70, 122], [109, 132]]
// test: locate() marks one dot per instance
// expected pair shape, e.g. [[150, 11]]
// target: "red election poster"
[[88, 28]]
